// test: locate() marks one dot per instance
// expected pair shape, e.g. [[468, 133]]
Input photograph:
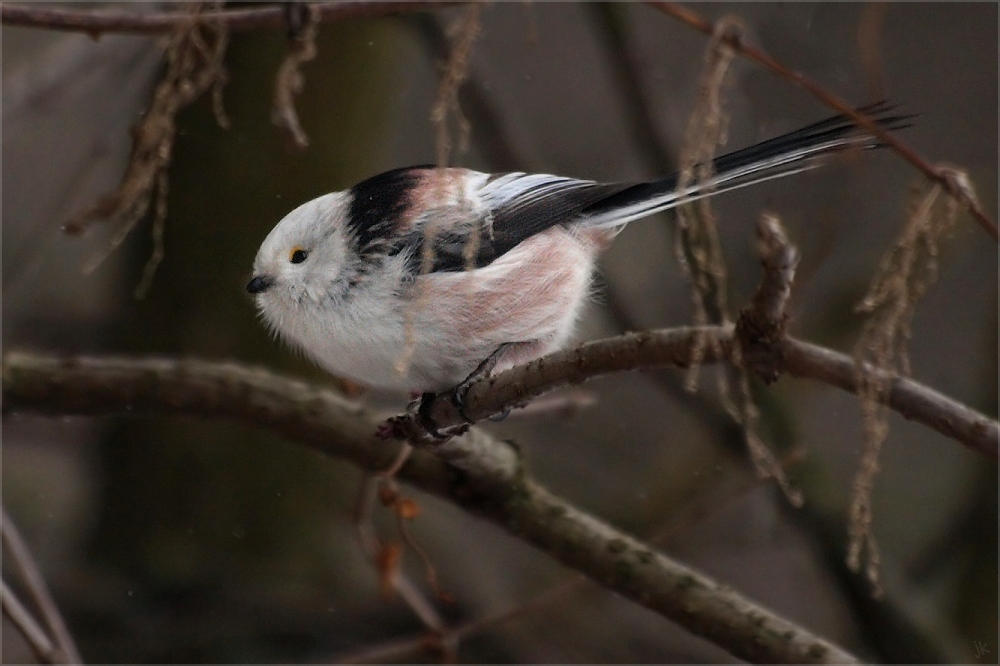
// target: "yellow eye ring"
[[297, 255]]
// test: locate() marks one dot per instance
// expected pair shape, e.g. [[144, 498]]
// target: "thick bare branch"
[[630, 567], [235, 20], [709, 501], [492, 483]]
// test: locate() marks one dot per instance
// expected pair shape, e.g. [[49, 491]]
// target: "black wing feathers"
[[377, 204], [513, 220], [834, 127], [520, 218]]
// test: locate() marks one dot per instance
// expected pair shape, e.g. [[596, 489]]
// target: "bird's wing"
[[508, 209], [491, 214]]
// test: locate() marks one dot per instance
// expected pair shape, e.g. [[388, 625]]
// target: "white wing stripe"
[[523, 187]]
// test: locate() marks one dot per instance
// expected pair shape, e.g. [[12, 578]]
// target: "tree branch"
[[33, 633], [910, 399], [954, 187], [481, 474], [409, 649], [235, 20], [64, 649], [672, 347]]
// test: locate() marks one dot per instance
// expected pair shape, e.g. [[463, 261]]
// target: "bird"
[[422, 278]]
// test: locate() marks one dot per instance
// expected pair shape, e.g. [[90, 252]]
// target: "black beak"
[[260, 283]]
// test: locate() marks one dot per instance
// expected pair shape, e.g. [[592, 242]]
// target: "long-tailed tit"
[[415, 277]]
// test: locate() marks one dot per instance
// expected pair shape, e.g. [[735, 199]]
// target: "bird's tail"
[[782, 156]]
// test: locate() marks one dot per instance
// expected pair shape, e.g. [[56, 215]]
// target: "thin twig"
[[289, 80], [33, 633], [694, 20], [489, 129], [194, 57], [373, 548], [697, 247], [235, 20], [408, 648], [455, 70], [779, 259], [759, 332], [904, 275], [35, 583]]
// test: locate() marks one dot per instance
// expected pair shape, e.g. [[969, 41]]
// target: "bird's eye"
[[297, 255]]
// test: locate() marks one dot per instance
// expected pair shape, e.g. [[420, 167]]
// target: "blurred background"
[[175, 540]]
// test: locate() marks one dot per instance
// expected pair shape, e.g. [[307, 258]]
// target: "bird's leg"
[[458, 393], [482, 371]]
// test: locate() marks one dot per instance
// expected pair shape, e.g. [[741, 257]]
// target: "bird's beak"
[[260, 284]]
